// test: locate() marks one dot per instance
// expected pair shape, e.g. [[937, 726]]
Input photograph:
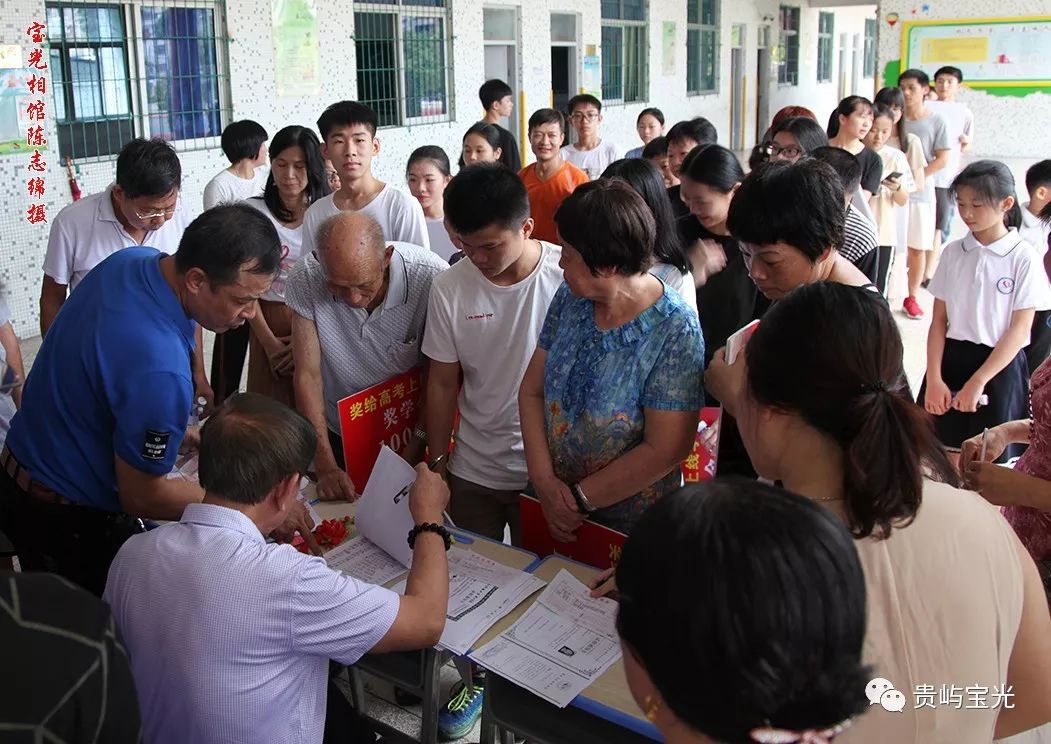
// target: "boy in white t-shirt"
[[348, 129], [959, 121], [244, 145], [483, 320], [590, 153], [1034, 230]]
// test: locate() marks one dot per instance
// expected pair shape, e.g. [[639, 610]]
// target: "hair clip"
[[879, 386], [770, 735]]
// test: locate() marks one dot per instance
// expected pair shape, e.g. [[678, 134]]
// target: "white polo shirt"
[[230, 637], [87, 231], [360, 349], [983, 285], [491, 331], [399, 215], [1034, 230]]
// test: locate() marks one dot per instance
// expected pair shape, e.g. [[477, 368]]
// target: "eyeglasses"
[[789, 152], [584, 117], [154, 215]]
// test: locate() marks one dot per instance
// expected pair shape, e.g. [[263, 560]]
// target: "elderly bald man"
[[359, 308]]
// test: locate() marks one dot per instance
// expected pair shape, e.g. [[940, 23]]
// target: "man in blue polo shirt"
[[106, 405]]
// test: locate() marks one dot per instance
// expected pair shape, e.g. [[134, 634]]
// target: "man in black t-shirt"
[[498, 101]]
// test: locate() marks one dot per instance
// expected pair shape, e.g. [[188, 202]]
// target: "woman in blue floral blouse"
[[610, 401]]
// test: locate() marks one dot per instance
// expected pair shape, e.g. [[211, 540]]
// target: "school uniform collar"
[[105, 211], [221, 517], [1001, 247], [1028, 218]]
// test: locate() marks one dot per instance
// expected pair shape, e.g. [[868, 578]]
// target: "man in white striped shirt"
[[230, 636]]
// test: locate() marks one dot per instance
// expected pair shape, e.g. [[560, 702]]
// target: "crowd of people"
[[569, 318]]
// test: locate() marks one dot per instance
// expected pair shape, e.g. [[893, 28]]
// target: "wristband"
[[583, 505], [429, 527]]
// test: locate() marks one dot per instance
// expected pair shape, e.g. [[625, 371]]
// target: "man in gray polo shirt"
[[360, 305]]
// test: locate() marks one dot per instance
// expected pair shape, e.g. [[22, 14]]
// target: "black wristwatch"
[[429, 527], [583, 505]]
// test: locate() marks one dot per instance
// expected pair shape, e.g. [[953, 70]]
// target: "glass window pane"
[[709, 60], [563, 27], [635, 63], [425, 78], [54, 24], [182, 80], [693, 55], [708, 12], [114, 82], [84, 82], [612, 62], [58, 84], [611, 9], [693, 11], [634, 10], [377, 64], [424, 3], [498, 24]]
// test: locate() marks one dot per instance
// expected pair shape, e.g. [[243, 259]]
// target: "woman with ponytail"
[[824, 406]]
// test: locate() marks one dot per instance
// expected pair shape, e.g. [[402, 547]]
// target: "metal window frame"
[[714, 28], [825, 46], [644, 71], [135, 65], [868, 64], [790, 68], [400, 10]]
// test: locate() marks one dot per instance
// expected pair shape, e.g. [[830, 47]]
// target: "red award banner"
[[382, 414], [701, 463], [595, 545]]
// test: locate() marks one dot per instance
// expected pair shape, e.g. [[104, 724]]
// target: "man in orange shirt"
[[551, 178]]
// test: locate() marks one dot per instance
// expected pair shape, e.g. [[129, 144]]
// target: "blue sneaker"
[[462, 711]]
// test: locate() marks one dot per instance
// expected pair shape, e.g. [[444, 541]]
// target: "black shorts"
[[943, 209]]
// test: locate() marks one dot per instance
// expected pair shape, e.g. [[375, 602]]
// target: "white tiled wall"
[[22, 245]]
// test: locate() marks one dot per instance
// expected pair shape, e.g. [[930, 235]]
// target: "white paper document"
[[383, 510], [360, 558], [560, 645], [481, 591]]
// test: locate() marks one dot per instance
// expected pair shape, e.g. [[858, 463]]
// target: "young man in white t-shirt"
[[348, 129], [244, 145], [590, 153], [959, 120], [483, 320]]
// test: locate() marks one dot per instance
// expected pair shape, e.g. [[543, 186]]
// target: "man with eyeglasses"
[[590, 152], [142, 207], [107, 404]]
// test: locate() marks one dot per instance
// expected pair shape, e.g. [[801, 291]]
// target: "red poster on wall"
[[701, 463], [382, 414]]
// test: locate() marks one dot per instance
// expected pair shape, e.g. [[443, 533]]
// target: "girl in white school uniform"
[[987, 288]]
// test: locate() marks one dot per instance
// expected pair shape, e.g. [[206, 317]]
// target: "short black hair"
[[771, 631], [543, 116], [698, 129], [807, 132], [1039, 174], [432, 154], [913, 74], [229, 238], [583, 99], [714, 166], [251, 444], [148, 167], [610, 225], [956, 72], [346, 113], [493, 91], [485, 194], [655, 148], [800, 204], [844, 163], [656, 113], [241, 140]]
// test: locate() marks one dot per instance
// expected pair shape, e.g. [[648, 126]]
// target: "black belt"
[[25, 482]]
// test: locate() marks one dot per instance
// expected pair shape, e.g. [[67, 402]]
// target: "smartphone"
[[893, 176], [737, 341]]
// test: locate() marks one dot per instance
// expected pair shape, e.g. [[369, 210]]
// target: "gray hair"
[[250, 445]]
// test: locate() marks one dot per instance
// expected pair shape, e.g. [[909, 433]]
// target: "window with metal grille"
[[788, 47], [137, 69], [870, 48], [702, 46], [624, 51], [404, 57], [825, 31]]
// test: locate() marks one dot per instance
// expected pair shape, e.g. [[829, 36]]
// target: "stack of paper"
[[383, 514], [560, 645]]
